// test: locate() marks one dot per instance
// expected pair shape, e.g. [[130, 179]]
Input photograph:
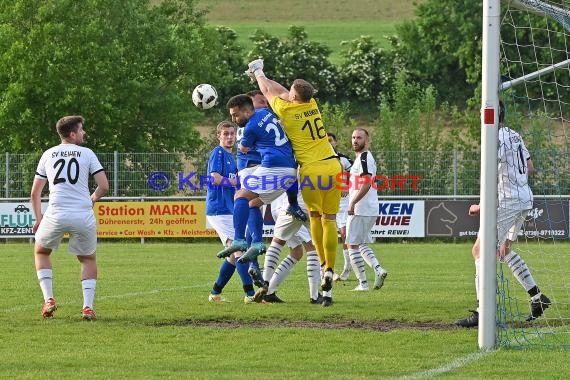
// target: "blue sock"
[[245, 278], [255, 224], [241, 212], [227, 270]]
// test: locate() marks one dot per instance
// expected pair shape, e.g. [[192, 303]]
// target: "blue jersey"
[[264, 133], [246, 160], [220, 199]]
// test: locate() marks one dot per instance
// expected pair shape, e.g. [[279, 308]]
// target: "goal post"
[[526, 63], [488, 217]]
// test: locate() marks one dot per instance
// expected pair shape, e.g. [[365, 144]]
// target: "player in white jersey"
[[515, 200], [67, 168], [295, 233], [362, 212]]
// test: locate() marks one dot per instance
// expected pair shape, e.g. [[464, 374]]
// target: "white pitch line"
[[454, 364], [115, 296]]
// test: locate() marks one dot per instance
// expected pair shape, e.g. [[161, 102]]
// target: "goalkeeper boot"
[[256, 276], [379, 279], [49, 308], [538, 306], [470, 321], [235, 246], [251, 254], [296, 212], [88, 314]]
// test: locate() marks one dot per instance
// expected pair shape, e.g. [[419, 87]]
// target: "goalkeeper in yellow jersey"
[[320, 169]]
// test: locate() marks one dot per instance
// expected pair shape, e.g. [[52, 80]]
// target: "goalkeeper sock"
[[330, 242], [317, 235]]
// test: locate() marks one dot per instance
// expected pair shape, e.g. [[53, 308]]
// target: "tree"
[[368, 72], [296, 57], [128, 67], [442, 47]]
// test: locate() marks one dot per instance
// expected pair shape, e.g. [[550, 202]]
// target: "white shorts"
[[247, 171], [342, 214], [269, 183], [224, 226], [358, 229], [81, 226], [291, 230], [509, 223]]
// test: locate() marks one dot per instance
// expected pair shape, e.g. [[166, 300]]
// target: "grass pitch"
[[155, 321], [327, 22]]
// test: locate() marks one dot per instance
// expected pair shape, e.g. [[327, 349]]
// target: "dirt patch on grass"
[[383, 325]]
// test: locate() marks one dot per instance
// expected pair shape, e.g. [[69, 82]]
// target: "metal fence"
[[402, 173]]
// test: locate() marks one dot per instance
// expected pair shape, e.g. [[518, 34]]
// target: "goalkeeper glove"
[[256, 67]]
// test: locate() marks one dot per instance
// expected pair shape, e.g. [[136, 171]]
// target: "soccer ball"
[[204, 96]]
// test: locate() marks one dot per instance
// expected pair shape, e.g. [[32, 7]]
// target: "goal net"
[[535, 88]]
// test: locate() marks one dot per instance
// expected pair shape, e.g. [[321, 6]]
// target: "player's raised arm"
[[268, 87]]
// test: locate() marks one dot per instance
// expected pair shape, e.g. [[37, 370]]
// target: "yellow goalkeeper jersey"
[[304, 127]]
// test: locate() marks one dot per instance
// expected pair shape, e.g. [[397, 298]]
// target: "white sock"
[[45, 277], [358, 266], [271, 260], [281, 273], [346, 268], [88, 286], [477, 270], [370, 258], [520, 270], [313, 273]]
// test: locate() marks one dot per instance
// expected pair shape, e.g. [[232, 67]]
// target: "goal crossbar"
[[546, 70]]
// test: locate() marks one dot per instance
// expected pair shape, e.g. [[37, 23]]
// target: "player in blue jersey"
[[293, 208], [223, 171], [247, 162], [277, 172]]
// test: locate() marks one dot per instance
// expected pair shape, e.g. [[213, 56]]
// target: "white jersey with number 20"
[[67, 168]]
